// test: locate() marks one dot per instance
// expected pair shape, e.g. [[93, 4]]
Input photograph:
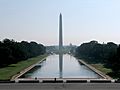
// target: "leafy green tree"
[[13, 52], [94, 52], [114, 63]]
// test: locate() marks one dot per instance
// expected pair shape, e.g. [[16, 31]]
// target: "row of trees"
[[107, 54], [95, 52], [114, 63], [13, 52]]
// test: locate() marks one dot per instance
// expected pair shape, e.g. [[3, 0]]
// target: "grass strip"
[[7, 72], [101, 68]]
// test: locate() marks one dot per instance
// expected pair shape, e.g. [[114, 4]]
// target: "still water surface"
[[71, 68]]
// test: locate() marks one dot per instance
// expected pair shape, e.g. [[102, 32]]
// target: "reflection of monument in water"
[[60, 65], [60, 47]]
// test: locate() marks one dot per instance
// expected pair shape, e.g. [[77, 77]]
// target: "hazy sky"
[[83, 20]]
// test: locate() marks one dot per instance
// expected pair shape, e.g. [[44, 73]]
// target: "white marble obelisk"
[[60, 47], [60, 34]]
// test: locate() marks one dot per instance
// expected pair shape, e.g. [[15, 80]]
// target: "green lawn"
[[101, 68], [7, 72]]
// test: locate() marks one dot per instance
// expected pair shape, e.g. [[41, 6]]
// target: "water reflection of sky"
[[71, 69]]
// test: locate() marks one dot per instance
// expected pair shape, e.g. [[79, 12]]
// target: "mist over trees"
[[66, 49], [13, 52]]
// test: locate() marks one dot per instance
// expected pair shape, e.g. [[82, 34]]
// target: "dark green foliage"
[[95, 52], [12, 52], [108, 54], [114, 63]]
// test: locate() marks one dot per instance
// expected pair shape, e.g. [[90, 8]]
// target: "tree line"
[[107, 54], [13, 52]]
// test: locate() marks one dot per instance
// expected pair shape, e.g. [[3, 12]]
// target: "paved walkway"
[[59, 86]]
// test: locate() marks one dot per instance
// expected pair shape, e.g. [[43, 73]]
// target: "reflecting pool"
[[69, 67]]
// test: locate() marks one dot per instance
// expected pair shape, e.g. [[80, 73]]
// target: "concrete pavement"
[[59, 86]]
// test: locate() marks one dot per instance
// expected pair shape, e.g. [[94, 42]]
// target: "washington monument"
[[60, 34], [60, 47]]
